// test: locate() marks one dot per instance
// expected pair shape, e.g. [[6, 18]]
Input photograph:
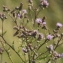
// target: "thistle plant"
[[35, 45]]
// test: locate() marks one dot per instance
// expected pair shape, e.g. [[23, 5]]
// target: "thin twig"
[[57, 43], [42, 44], [6, 52], [41, 54]]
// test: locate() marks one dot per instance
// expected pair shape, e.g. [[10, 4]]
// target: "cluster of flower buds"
[[56, 31], [41, 22], [57, 55], [1, 50], [44, 3], [2, 16], [29, 33], [19, 14], [17, 8], [53, 52], [25, 32], [28, 48], [20, 28], [5, 9]]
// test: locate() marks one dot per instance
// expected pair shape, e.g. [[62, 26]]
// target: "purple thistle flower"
[[24, 50], [24, 11], [44, 3], [59, 25], [39, 20], [49, 37]]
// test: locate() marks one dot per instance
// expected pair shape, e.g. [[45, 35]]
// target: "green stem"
[[7, 52], [42, 44], [13, 19], [58, 43], [41, 54], [1, 58], [2, 28]]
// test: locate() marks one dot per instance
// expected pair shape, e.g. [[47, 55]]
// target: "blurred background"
[[54, 14]]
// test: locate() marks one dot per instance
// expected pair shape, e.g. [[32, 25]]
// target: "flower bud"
[[50, 47], [30, 1], [1, 50], [40, 36], [24, 50]]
